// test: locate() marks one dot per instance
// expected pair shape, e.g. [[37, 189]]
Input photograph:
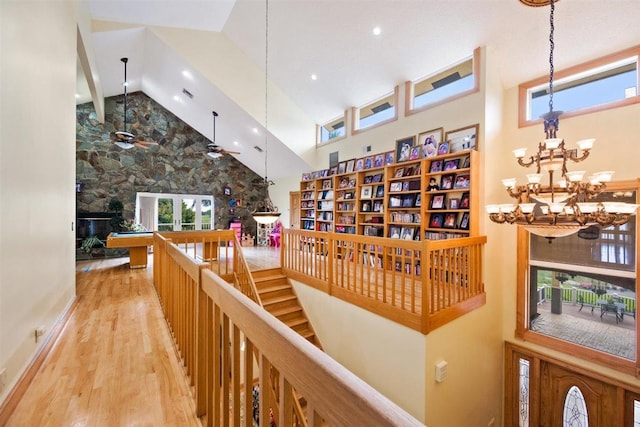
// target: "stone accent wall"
[[178, 165]]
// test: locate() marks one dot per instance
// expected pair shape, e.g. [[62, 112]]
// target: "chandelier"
[[266, 212], [568, 204]]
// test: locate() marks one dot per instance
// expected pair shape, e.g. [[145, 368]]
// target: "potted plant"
[[91, 242], [117, 221]]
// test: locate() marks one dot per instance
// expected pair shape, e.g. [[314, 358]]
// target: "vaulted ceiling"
[[215, 49]]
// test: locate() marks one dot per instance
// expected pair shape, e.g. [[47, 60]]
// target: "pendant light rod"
[[214, 126], [551, 46], [266, 91], [125, 60]]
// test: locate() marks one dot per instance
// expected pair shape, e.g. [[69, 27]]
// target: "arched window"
[[575, 409]]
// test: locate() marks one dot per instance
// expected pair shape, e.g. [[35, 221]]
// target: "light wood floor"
[[114, 363]]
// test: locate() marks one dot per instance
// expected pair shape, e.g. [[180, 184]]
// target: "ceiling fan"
[[214, 150], [124, 139]]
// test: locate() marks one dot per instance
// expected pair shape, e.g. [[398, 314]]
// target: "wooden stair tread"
[[268, 278], [296, 321], [275, 300], [286, 310], [274, 288]]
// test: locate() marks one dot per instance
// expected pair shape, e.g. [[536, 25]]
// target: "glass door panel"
[[187, 214], [165, 214], [206, 218]]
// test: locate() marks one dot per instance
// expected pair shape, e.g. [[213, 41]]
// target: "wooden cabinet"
[[430, 198]]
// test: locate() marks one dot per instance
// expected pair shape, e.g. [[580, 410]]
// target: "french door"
[[174, 212]]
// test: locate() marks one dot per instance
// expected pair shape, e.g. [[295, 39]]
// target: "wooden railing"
[[420, 284], [221, 335]]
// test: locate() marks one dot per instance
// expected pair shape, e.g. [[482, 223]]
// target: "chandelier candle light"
[[560, 208], [268, 213]]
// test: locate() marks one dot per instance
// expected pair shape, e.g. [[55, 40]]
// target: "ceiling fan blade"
[[230, 152], [147, 142]]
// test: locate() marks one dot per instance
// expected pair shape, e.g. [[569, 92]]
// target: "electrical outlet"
[[3, 379]]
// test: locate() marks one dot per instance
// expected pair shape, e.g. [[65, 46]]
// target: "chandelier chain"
[[266, 90], [551, 46]]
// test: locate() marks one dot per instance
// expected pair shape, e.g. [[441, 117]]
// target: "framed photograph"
[[462, 181], [446, 183], [368, 162], [407, 201], [352, 182], [377, 206], [415, 152], [429, 141], [437, 201], [405, 186], [418, 201], [342, 167], [436, 166], [408, 171], [433, 184], [454, 203], [368, 179], [388, 158], [435, 220], [306, 176], [359, 164], [443, 148], [464, 221], [449, 220], [395, 186], [377, 177], [451, 164], [464, 201], [333, 170], [344, 182], [395, 201], [226, 191], [238, 203], [399, 172], [378, 160], [466, 162], [365, 192], [327, 183], [407, 233], [465, 138], [350, 165], [366, 206], [325, 172], [403, 148], [394, 232], [380, 191]]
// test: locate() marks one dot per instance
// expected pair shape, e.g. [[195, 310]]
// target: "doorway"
[[174, 212]]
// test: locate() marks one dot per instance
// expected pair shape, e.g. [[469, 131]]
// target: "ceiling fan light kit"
[[214, 150]]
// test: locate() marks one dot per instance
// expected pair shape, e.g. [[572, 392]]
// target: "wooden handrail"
[[420, 284]]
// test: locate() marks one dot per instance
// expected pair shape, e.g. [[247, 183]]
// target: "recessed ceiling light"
[[77, 95], [187, 74], [255, 130], [176, 98], [235, 142], [376, 31], [314, 77]]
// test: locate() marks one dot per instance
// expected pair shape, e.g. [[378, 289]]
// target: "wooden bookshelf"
[[308, 205], [345, 203], [371, 191]]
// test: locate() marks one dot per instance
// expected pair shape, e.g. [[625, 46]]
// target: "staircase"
[[278, 298]]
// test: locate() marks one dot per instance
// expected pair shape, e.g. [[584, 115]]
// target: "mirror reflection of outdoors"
[[583, 287]]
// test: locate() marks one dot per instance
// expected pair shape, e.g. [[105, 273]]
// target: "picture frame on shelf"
[[418, 200], [344, 182], [368, 179], [405, 186], [395, 186], [333, 170], [429, 141], [464, 201], [394, 232], [466, 162], [342, 167], [378, 160], [407, 201], [377, 177], [403, 148], [380, 191], [377, 206], [368, 162], [395, 201], [352, 183], [359, 164], [388, 158], [437, 201], [462, 139], [407, 233], [446, 182], [433, 184], [462, 181], [435, 220], [449, 220], [350, 165], [451, 164], [365, 192], [408, 171], [464, 221], [325, 173], [365, 206], [454, 202], [398, 173], [306, 176], [415, 152], [443, 148], [436, 166]]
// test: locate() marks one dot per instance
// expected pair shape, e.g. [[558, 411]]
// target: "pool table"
[[138, 244]]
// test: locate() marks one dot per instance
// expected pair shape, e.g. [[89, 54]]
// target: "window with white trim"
[[333, 130], [376, 113]]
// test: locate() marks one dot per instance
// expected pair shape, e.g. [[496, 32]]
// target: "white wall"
[[37, 174]]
